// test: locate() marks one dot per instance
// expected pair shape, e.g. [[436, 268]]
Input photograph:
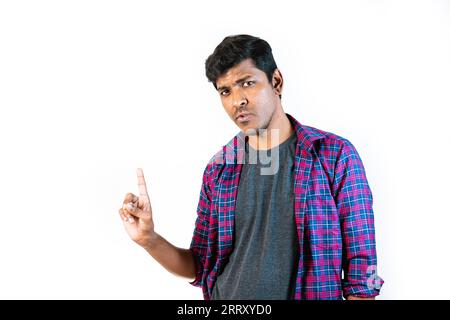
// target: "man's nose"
[[239, 100]]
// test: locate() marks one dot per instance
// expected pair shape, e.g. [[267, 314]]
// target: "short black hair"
[[235, 49]]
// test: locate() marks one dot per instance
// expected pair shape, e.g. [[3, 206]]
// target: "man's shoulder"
[[326, 140], [215, 164], [332, 150]]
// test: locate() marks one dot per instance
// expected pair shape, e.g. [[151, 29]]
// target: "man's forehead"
[[241, 70]]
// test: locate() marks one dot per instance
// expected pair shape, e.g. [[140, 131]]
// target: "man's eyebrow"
[[236, 82]]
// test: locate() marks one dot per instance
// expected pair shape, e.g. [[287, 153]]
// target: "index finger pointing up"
[[143, 194]]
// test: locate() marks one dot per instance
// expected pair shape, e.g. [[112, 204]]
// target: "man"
[[284, 231]]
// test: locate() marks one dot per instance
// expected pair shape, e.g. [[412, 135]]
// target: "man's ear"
[[277, 82]]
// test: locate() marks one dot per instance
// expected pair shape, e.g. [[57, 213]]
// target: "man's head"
[[245, 74]]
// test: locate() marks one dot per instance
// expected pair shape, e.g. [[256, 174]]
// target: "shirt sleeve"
[[199, 243], [354, 203]]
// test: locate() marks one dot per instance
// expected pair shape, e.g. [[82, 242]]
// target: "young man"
[[283, 228]]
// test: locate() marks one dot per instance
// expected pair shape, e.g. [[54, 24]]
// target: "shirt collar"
[[305, 136]]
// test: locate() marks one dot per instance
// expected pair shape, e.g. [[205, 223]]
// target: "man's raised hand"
[[136, 213]]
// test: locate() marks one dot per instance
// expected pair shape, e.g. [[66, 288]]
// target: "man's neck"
[[278, 131]]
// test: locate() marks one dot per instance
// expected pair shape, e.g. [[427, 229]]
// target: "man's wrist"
[[150, 242]]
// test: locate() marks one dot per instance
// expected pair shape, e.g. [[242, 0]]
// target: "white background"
[[91, 90]]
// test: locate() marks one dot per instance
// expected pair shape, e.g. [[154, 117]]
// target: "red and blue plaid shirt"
[[333, 214]]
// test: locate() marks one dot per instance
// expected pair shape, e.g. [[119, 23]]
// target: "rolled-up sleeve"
[[199, 243], [354, 203]]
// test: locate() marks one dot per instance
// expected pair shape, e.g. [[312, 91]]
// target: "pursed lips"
[[243, 114]]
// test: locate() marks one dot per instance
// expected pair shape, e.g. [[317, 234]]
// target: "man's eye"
[[224, 92], [248, 83]]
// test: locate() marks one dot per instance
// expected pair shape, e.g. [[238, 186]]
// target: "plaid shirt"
[[333, 214]]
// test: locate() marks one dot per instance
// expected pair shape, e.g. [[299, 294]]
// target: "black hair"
[[235, 49]]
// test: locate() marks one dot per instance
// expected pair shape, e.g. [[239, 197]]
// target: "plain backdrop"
[[91, 90]]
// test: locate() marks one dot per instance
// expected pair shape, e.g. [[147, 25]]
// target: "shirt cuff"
[[361, 291], [197, 282]]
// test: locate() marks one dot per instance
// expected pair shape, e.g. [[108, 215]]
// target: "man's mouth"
[[243, 117]]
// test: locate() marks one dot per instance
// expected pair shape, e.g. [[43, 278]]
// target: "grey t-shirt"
[[263, 264]]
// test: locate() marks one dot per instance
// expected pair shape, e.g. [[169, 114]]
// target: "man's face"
[[244, 89]]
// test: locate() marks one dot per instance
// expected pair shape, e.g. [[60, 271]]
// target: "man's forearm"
[[177, 261]]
